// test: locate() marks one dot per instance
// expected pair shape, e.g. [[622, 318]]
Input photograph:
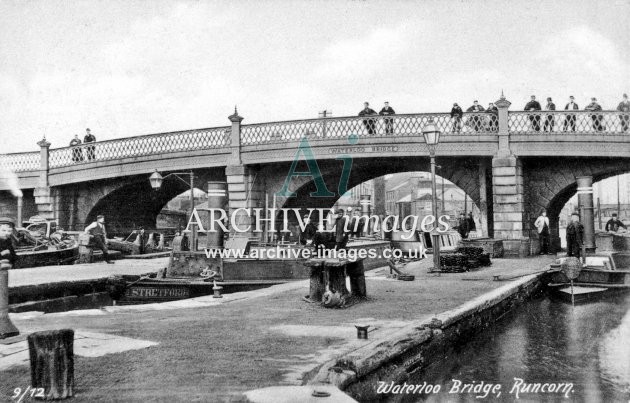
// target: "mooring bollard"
[[217, 290], [7, 329], [52, 362], [362, 331]]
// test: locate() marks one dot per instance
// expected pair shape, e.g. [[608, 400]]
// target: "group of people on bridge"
[[77, 152], [490, 122]]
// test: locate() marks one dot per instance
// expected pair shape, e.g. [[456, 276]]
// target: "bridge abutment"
[[508, 204], [245, 191]]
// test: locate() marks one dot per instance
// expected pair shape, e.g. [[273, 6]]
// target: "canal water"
[[542, 342]]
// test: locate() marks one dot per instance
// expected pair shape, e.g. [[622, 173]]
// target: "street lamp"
[[156, 182], [432, 138]]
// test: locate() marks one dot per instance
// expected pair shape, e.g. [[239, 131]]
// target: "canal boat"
[[600, 277], [192, 274], [39, 242]]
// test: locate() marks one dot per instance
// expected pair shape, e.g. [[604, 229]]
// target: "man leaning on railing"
[[569, 120], [597, 118], [534, 106], [368, 123], [549, 122], [456, 115], [389, 122]]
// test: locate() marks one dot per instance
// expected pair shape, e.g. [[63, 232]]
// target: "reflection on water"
[[543, 341]]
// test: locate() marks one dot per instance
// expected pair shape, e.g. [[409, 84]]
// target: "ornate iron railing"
[[141, 146], [20, 162], [579, 122], [374, 125], [520, 122]]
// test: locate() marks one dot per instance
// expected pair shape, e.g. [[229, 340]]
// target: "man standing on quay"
[[542, 225], [99, 233], [575, 236]]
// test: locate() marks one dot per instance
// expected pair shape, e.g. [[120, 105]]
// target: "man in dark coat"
[[6, 244], [89, 150], [456, 115], [598, 119], [355, 225], [614, 224], [368, 123], [575, 236], [77, 153], [389, 122], [308, 234], [569, 120], [534, 119], [624, 106], [549, 122], [493, 113], [471, 223], [341, 235], [476, 121], [462, 226]]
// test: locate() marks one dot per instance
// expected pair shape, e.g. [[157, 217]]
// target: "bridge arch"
[[463, 172], [550, 183]]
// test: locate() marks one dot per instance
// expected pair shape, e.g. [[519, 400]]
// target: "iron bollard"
[[7, 329], [217, 290], [362, 331]]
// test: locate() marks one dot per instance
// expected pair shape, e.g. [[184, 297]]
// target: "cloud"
[[581, 57], [364, 55]]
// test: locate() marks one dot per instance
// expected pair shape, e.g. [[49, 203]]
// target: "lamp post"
[[432, 138], [156, 182]]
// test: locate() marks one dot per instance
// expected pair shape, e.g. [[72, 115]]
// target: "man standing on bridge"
[[89, 138], [389, 122], [624, 106], [575, 236], [549, 122], [493, 113], [534, 105], [456, 115], [476, 121], [99, 234], [569, 121], [368, 123], [597, 118]]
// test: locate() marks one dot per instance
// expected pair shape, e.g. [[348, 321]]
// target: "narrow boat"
[[599, 277], [193, 274]]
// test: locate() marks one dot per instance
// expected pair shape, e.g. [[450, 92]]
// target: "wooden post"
[[52, 362]]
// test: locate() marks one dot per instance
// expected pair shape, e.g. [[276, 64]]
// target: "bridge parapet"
[[575, 122], [151, 144], [20, 162], [376, 126], [367, 126]]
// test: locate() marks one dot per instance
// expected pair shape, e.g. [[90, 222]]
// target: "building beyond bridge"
[[510, 170]]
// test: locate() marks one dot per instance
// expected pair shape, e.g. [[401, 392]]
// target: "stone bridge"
[[510, 169]]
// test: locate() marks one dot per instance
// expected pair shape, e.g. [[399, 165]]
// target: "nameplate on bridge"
[[362, 149]]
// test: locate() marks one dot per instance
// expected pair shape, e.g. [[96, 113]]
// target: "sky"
[[126, 68]]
